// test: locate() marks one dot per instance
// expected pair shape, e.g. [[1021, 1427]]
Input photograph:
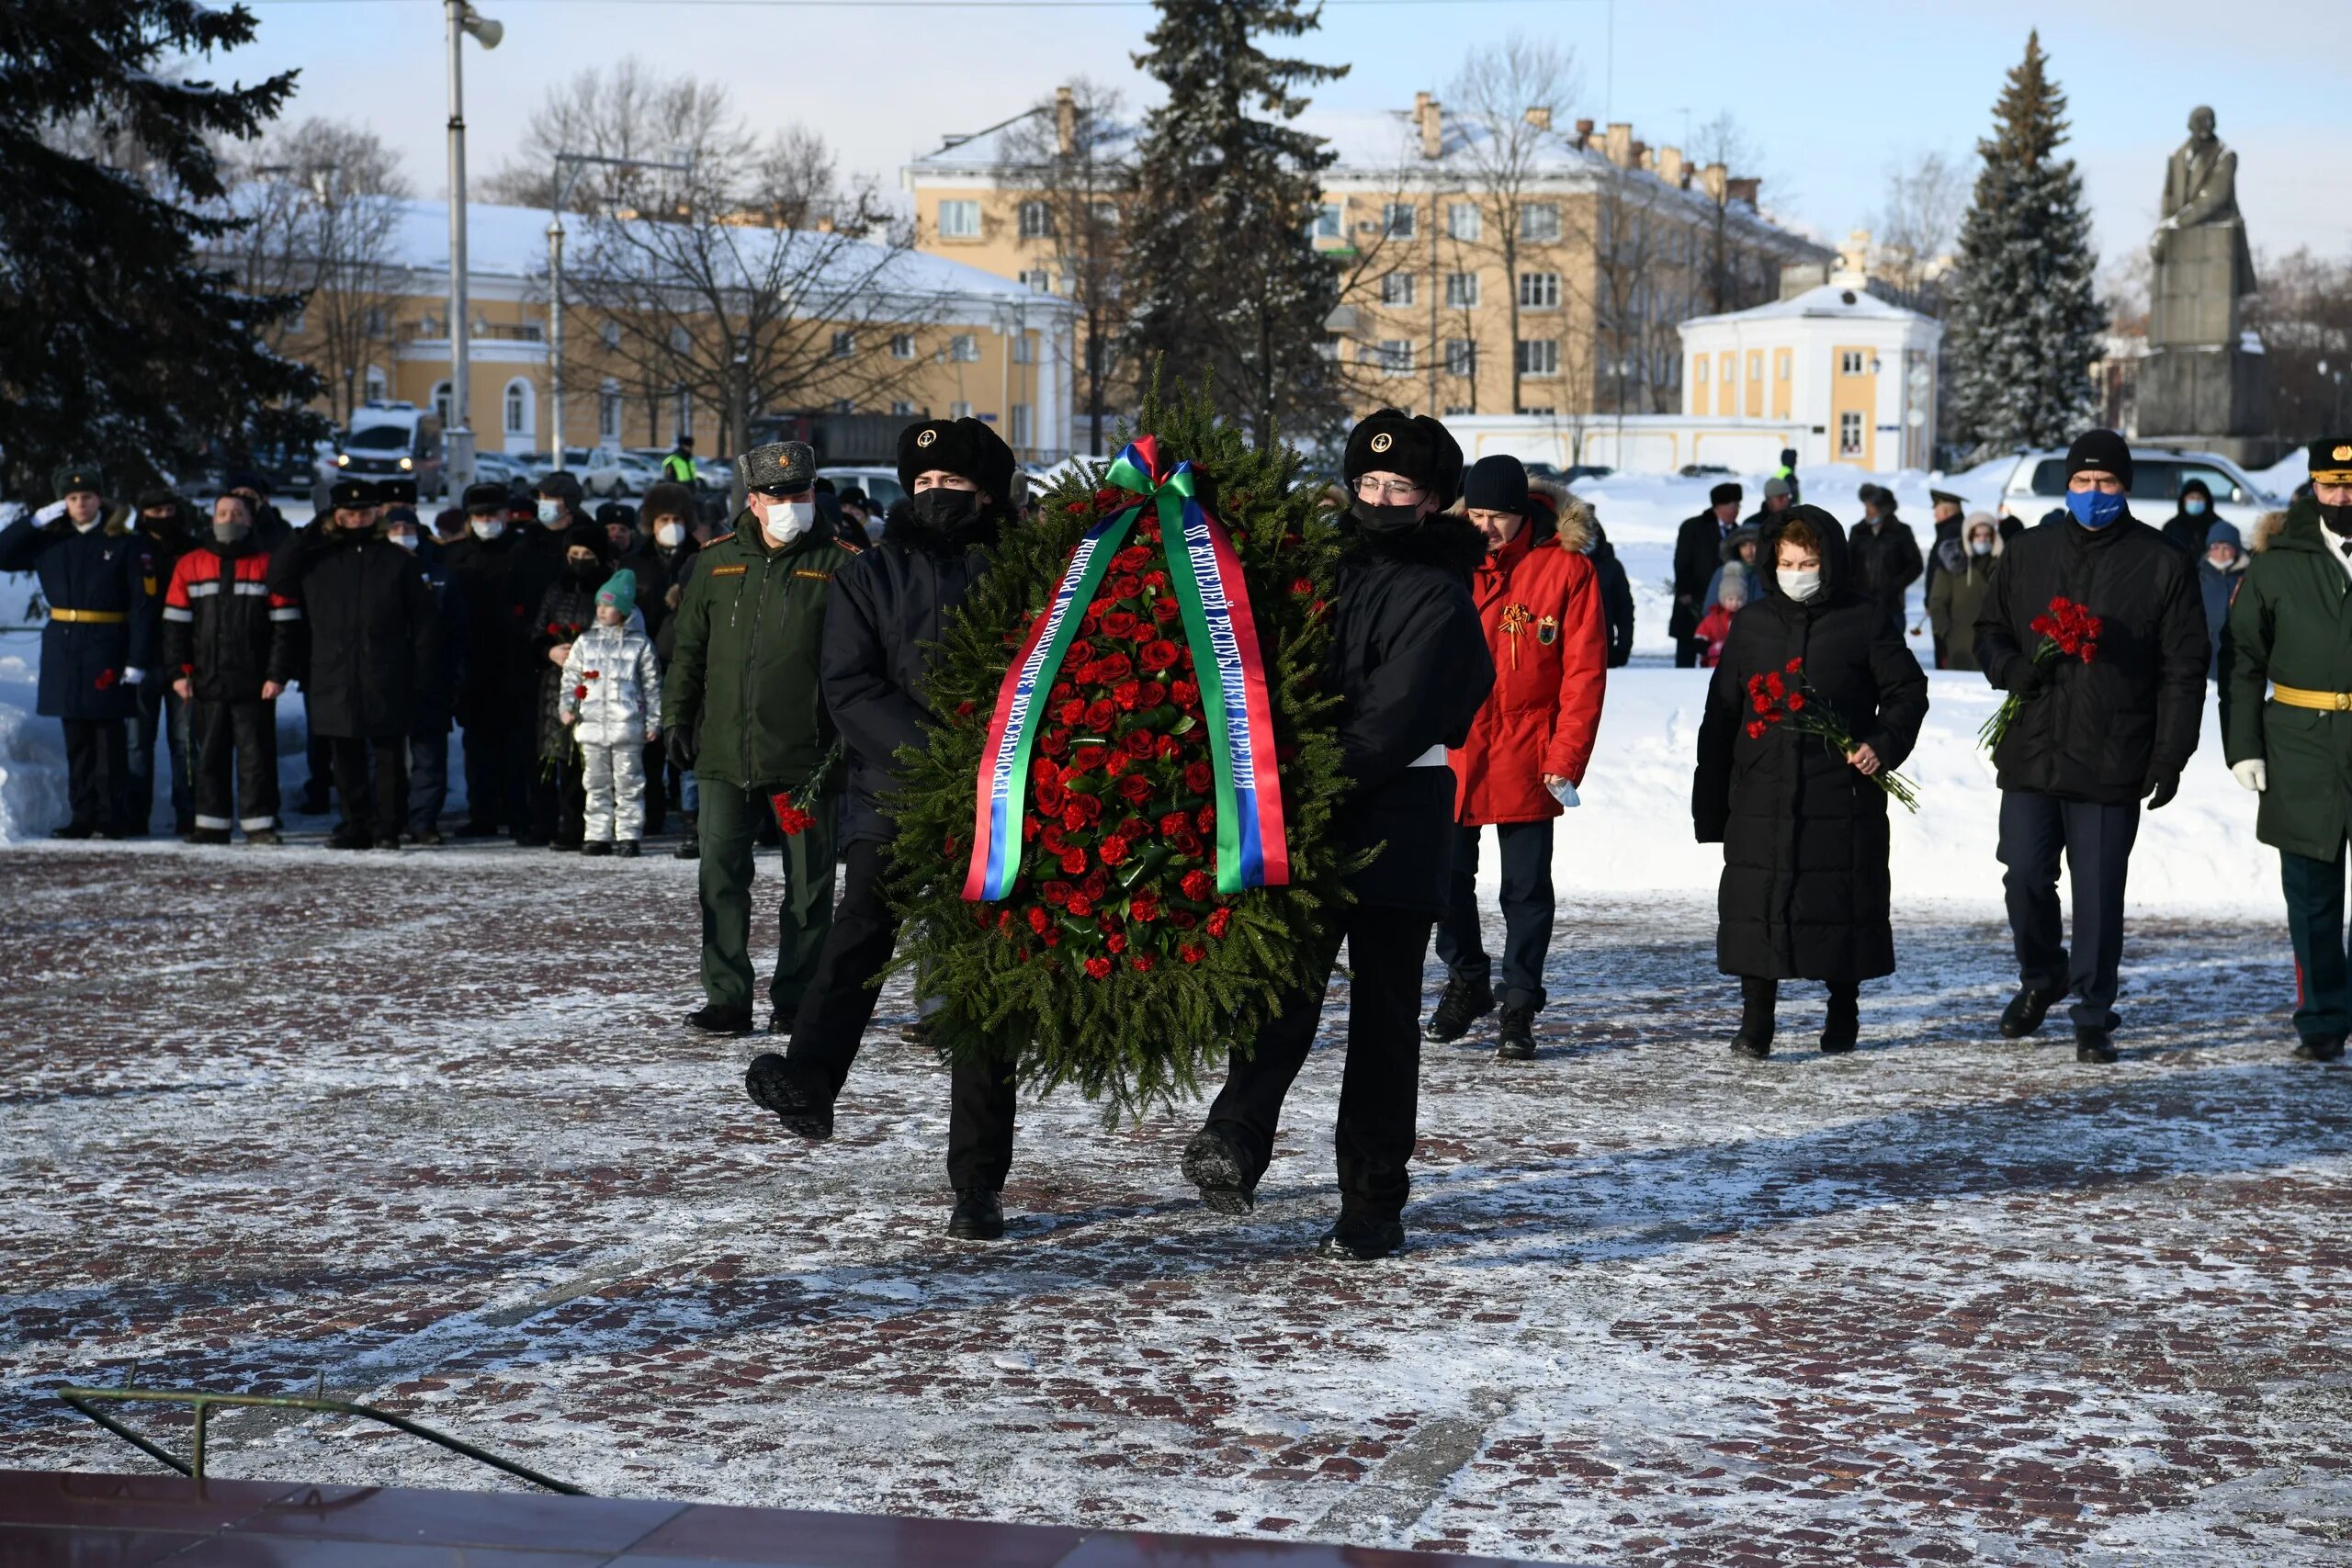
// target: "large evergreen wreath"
[[1115, 963]]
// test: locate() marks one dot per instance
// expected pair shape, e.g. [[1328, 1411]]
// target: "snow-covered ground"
[[424, 1127]]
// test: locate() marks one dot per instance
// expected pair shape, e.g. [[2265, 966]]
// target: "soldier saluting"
[[2289, 630], [98, 578]]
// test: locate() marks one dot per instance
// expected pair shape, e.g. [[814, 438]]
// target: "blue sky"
[[1832, 93]]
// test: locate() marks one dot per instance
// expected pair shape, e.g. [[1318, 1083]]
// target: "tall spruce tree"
[[1225, 285], [120, 342], [2026, 317]]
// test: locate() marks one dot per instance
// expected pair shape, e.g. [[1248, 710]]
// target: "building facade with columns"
[[921, 336]]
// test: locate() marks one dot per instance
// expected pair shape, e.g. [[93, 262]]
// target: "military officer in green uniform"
[[743, 709], [2290, 630]]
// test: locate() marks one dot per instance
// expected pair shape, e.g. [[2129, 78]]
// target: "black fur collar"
[[909, 532], [1446, 540]]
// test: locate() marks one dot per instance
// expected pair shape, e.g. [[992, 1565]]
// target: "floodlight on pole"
[[462, 19]]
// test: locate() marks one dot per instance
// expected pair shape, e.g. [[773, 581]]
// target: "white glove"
[[131, 677], [2254, 774], [50, 514]]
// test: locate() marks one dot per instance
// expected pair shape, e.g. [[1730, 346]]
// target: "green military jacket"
[[2290, 625], [744, 668]]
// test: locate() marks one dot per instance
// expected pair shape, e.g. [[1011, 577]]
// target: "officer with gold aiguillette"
[[2290, 630], [99, 575]]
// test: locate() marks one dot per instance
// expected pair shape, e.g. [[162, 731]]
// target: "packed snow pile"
[[1633, 833], [32, 750]]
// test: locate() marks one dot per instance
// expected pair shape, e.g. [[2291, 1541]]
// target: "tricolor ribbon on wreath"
[[1251, 850]]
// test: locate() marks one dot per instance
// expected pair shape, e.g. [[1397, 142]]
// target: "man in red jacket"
[[1540, 601]]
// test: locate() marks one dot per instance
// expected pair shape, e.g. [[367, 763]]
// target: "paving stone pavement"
[[425, 1126]]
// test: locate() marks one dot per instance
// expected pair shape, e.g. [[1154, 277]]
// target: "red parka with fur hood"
[[1539, 600]]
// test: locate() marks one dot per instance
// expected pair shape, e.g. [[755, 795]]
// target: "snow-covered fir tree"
[[2026, 317], [1223, 279], [119, 343]]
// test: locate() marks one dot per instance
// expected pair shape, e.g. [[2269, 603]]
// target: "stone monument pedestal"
[[2208, 399]]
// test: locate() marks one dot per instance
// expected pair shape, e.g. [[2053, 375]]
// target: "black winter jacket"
[[1884, 564], [536, 566], [1805, 892], [563, 611], [883, 614], [222, 630], [1698, 552], [1616, 598], [1410, 664], [483, 627], [2104, 731], [374, 644]]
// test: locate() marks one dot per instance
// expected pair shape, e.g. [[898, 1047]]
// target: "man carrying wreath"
[[2096, 732], [1411, 666]]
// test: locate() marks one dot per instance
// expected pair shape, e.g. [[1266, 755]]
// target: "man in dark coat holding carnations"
[[2096, 732], [1806, 894], [1410, 667], [2287, 731], [885, 615]]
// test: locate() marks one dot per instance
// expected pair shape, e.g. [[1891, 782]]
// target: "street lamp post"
[[462, 19]]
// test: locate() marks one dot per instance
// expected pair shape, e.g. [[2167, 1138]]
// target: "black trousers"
[[97, 774], [371, 781], [559, 799], [236, 763], [1526, 851], [1379, 1089], [1687, 650], [2314, 890], [657, 789], [982, 1102], [839, 1002], [498, 768], [2096, 842]]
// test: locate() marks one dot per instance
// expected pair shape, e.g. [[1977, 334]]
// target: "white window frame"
[[1330, 222], [1463, 221], [960, 218], [608, 413], [845, 345], [903, 345], [1699, 363], [1539, 290], [960, 410], [1540, 221], [1461, 290], [1017, 432], [1399, 221], [964, 349], [1537, 358], [1849, 434], [1392, 357], [514, 403], [1396, 289], [1036, 220], [902, 408], [1461, 357], [1850, 362]]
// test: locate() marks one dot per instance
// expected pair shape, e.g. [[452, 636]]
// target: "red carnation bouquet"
[[1121, 816], [2068, 630], [1786, 696]]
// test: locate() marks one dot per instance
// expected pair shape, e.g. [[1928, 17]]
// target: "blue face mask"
[[2193, 506], [2094, 509]]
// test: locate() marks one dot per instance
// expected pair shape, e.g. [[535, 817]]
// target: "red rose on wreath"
[[1127, 694], [1197, 886], [1220, 919], [1198, 778], [1114, 851], [1097, 968], [1100, 712], [1139, 743], [1158, 655], [1140, 961], [1116, 942], [1073, 862], [1118, 623], [1126, 585], [1192, 953], [1039, 920], [1056, 893], [1080, 906], [1134, 557], [1144, 907], [1164, 611], [1134, 789], [1073, 712]]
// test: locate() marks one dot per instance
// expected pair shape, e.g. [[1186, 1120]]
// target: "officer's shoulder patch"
[[728, 570], [854, 550], [719, 540]]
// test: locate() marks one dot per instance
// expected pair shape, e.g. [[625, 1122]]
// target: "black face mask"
[[573, 573], [945, 509], [1385, 519], [2337, 519]]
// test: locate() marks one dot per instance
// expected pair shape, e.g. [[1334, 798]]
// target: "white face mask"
[[1980, 546], [486, 527], [405, 541], [551, 513], [1799, 585], [669, 536], [787, 519]]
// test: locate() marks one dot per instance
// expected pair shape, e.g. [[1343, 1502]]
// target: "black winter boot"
[[717, 1020], [1363, 1238], [2319, 1048], [978, 1216], [798, 1101], [2026, 1010], [1463, 1004], [596, 847], [1215, 1166], [1843, 1027], [692, 848], [2092, 1045], [1518, 1031], [1758, 997], [627, 849]]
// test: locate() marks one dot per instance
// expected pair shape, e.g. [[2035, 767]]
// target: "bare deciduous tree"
[[1076, 158], [1736, 274], [1509, 96], [2305, 315], [323, 199], [624, 112], [1919, 221], [757, 280]]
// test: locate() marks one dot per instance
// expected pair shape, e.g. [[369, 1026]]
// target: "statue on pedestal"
[[2202, 265]]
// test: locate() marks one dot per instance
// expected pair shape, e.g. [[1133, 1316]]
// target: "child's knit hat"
[[619, 591]]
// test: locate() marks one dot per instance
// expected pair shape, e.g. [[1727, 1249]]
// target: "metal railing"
[[81, 1399]]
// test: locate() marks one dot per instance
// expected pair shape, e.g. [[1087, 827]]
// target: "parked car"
[[880, 485], [2029, 483], [1586, 471], [613, 474], [715, 473], [497, 468], [395, 441]]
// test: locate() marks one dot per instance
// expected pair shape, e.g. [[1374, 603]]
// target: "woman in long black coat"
[[1805, 892]]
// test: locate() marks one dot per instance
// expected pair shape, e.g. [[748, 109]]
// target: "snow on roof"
[[512, 241], [1828, 300]]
